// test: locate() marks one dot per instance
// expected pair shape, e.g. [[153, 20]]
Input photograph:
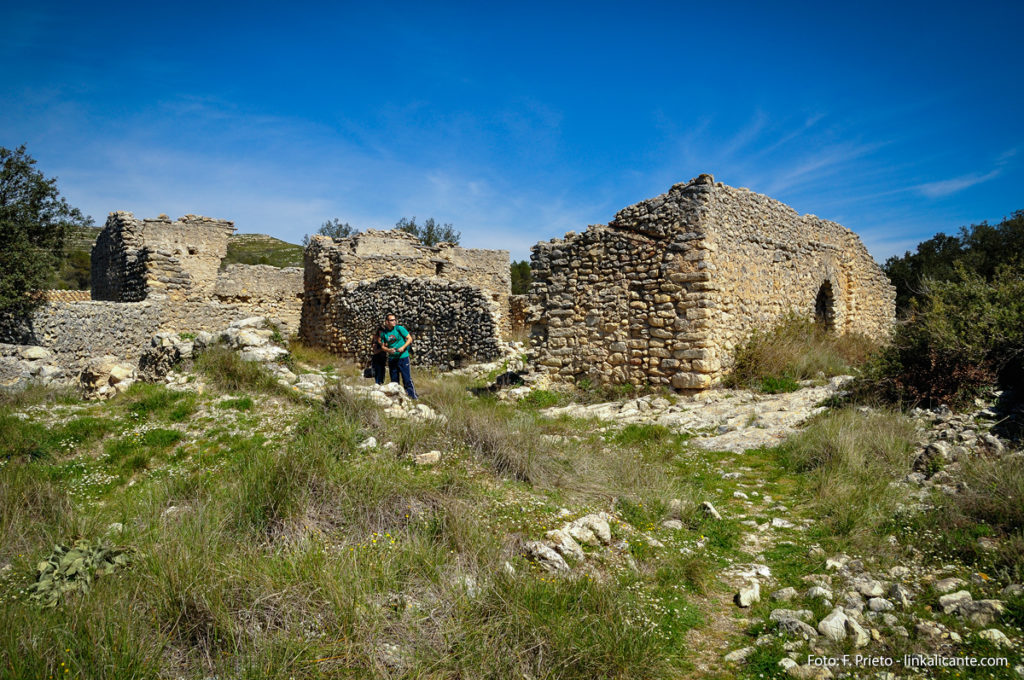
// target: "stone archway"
[[825, 306]]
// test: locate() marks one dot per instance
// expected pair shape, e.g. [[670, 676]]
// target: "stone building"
[[154, 275], [663, 292], [453, 300]]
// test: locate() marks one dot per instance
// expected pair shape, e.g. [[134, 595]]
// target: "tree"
[[335, 229], [980, 249], [430, 233], [35, 222], [521, 277]]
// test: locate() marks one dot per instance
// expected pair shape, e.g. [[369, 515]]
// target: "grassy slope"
[[291, 552], [262, 249]]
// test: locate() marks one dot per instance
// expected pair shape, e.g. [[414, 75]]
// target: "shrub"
[[795, 349], [965, 335]]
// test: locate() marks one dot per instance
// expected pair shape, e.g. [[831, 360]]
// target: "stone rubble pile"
[[105, 376], [24, 365], [948, 439], [391, 397]]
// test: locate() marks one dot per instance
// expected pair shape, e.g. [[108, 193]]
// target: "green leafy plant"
[[72, 569]]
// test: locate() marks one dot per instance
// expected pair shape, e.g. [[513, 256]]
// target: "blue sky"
[[523, 121]]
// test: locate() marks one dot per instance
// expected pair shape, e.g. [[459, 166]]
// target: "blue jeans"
[[401, 367]]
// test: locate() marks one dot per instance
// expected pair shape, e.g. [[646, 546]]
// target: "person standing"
[[396, 340], [378, 356]]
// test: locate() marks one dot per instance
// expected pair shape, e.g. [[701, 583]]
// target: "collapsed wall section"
[[134, 259], [453, 300], [451, 323]]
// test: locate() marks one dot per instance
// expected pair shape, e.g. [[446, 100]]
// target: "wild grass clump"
[[507, 440], [228, 372], [849, 458], [796, 349]]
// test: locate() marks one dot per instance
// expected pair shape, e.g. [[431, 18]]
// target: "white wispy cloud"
[[948, 187]]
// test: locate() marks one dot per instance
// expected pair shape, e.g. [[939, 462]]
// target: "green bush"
[[963, 336], [795, 349]]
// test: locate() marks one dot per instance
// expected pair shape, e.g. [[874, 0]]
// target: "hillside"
[[262, 249]]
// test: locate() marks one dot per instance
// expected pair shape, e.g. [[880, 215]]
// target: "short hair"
[[390, 314]]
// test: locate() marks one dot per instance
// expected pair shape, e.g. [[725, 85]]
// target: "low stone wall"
[[450, 322], [57, 295], [77, 331]]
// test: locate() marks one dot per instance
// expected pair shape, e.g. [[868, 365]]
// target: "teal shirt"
[[395, 338]]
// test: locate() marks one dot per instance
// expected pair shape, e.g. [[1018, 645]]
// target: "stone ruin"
[[454, 301], [156, 275], [660, 295], [664, 292]]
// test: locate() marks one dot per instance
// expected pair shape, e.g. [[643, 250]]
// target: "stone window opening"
[[824, 306]]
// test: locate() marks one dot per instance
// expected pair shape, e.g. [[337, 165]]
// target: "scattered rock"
[[749, 595], [784, 595], [880, 604], [545, 556], [428, 458], [739, 655], [709, 510], [996, 637], [833, 626], [951, 603]]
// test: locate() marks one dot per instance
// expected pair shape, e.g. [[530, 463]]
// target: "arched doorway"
[[825, 306]]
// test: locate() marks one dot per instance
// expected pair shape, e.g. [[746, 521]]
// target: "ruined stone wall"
[[662, 293], [768, 261], [118, 260], [519, 308], [134, 259], [454, 301], [625, 302], [374, 254], [451, 322], [77, 331]]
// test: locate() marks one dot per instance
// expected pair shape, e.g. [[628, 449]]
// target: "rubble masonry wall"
[[663, 292]]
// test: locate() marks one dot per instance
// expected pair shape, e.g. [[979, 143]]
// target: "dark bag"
[[368, 372]]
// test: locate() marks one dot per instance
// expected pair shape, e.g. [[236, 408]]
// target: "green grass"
[[847, 459], [239, 404]]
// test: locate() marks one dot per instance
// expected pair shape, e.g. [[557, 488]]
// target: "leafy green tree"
[[430, 233], [521, 277], [35, 222], [337, 229], [333, 228], [980, 249]]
